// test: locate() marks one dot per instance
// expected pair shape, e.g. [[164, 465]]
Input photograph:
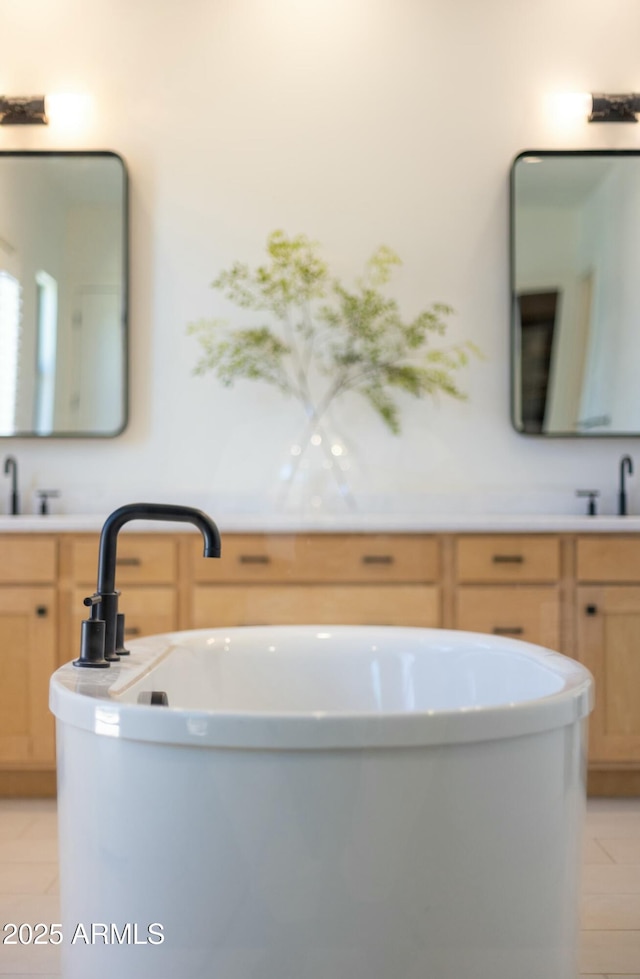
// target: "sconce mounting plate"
[[615, 108], [23, 110]]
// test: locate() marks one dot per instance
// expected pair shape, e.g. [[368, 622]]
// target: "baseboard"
[[611, 782], [28, 785]]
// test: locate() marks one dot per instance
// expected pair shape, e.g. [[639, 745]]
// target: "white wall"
[[358, 122]]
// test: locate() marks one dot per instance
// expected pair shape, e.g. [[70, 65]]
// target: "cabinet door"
[[609, 646], [227, 605], [27, 649], [527, 612]]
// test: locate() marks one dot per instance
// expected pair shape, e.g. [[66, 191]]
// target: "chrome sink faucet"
[[626, 465], [11, 466], [99, 633]]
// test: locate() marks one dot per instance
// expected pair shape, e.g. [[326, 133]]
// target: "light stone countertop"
[[346, 523]]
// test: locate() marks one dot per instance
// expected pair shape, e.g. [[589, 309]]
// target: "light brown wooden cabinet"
[[28, 637], [507, 585], [608, 643], [577, 594], [371, 579], [28, 644]]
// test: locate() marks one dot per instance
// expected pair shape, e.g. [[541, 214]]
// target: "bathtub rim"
[[88, 699]]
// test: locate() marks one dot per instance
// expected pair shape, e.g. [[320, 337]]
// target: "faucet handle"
[[121, 649], [92, 638], [91, 601], [591, 506], [45, 496]]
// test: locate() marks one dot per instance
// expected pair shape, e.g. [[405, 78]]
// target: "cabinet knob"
[[42, 611], [591, 609], [128, 562], [508, 630]]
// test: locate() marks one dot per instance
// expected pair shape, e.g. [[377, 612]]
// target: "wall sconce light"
[[23, 110], [614, 108]]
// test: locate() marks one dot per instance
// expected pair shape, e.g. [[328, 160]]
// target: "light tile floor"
[[610, 945]]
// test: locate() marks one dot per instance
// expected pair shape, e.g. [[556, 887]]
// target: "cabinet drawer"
[[141, 559], [608, 559], [320, 558], [507, 558], [528, 613], [26, 560], [226, 605]]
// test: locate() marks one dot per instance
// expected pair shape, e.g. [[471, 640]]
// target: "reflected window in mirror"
[[9, 344], [63, 294], [575, 240]]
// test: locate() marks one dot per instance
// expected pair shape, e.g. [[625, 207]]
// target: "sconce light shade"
[[614, 108], [23, 110]]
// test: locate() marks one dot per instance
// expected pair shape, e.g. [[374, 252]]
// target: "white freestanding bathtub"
[[322, 803]]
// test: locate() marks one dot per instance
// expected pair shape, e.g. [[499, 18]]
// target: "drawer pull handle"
[[131, 630], [377, 559], [591, 609], [128, 562], [254, 559], [506, 630], [507, 559], [42, 611]]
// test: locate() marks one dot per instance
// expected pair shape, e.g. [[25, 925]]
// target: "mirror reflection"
[[63, 294], [575, 241]]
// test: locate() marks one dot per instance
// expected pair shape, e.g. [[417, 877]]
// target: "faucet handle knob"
[[92, 638], [592, 494], [121, 649], [91, 600], [44, 496]]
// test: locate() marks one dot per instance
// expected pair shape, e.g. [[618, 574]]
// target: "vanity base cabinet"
[[577, 594]]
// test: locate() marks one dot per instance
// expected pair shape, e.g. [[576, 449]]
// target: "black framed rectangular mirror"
[[575, 297], [63, 294]]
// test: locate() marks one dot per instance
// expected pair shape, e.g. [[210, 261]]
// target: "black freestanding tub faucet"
[[97, 651]]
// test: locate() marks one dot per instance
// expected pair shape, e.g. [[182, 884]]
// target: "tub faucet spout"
[[106, 597]]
